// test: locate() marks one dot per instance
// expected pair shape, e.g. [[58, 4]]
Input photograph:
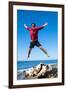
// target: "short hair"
[[34, 24]]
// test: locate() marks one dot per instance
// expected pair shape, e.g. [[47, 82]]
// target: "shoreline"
[[29, 64]]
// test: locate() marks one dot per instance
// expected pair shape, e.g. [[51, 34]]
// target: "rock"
[[39, 71]]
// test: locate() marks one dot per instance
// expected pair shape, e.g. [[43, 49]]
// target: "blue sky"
[[48, 36]]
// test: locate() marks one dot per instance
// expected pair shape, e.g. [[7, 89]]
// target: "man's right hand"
[[25, 25]]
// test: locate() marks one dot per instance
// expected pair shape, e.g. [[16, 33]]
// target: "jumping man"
[[34, 37]]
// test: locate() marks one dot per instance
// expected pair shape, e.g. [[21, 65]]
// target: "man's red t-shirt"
[[34, 32]]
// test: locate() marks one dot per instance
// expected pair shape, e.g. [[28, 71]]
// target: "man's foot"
[[27, 57], [47, 55]]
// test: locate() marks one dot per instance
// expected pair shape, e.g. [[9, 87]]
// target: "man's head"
[[33, 24]]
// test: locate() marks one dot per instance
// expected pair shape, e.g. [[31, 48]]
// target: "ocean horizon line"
[[37, 60]]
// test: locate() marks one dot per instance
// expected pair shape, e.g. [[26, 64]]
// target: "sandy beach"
[[39, 71]]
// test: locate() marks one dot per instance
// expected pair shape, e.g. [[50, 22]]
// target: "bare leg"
[[44, 51], [29, 51]]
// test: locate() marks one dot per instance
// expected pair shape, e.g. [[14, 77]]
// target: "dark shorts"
[[34, 43]]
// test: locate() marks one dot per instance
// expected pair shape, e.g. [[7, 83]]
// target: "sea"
[[28, 64]]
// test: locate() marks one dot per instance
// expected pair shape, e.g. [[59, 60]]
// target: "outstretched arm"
[[41, 27], [26, 27]]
